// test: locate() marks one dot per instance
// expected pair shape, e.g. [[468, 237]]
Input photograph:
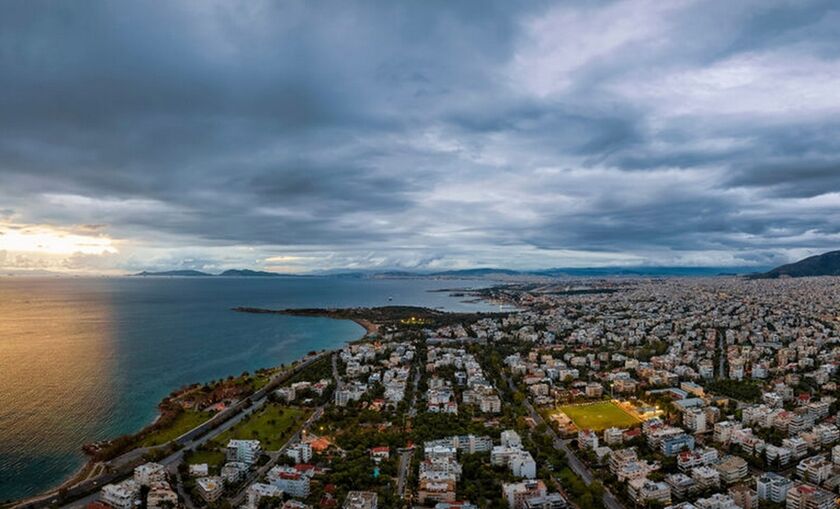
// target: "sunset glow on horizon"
[[48, 240]]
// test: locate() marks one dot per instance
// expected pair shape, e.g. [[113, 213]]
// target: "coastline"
[[92, 466], [364, 317], [370, 327]]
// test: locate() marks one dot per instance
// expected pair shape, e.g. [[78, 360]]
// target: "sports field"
[[599, 416]]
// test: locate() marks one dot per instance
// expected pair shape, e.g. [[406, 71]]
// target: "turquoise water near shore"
[[84, 359]]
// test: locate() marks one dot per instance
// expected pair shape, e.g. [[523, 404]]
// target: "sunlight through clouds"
[[49, 248]]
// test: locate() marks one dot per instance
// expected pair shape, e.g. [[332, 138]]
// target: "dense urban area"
[[706, 393]]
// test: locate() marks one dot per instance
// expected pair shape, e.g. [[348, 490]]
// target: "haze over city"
[[303, 136]]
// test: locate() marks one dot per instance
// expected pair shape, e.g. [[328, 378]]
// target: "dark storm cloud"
[[426, 133]]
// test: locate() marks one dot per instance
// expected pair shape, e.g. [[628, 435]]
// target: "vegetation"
[[318, 370], [183, 422], [742, 390], [214, 458], [387, 315], [272, 425], [586, 497]]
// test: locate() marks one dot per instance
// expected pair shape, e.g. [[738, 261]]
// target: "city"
[[420, 254], [707, 393]]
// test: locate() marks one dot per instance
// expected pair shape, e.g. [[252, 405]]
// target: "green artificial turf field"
[[599, 416]]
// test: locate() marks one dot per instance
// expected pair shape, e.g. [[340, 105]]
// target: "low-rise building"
[[244, 451], [300, 452], [258, 491], [620, 457], [360, 500], [146, 474], [161, 496], [816, 469], [210, 488], [806, 496], [234, 471], [772, 487], [121, 495], [517, 494], [293, 482], [381, 453], [705, 477], [777, 455], [587, 439], [732, 469], [744, 496], [199, 470], [644, 491], [673, 444], [613, 436], [694, 419], [716, 501], [681, 485], [550, 501]]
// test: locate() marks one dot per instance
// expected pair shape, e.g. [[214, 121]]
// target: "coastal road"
[[122, 466], [173, 460]]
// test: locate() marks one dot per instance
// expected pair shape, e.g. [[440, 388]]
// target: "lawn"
[[184, 422], [214, 459], [272, 426], [599, 416]]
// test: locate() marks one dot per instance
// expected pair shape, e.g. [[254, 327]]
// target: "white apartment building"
[[243, 451], [120, 495], [773, 487], [300, 452], [257, 491], [146, 474]]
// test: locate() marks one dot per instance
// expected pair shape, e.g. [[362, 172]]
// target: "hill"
[[826, 264], [189, 273], [249, 273], [480, 272]]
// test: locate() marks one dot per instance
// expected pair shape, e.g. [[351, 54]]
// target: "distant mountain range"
[[488, 273], [250, 273], [583, 272], [227, 273], [182, 273], [826, 264], [485, 273]]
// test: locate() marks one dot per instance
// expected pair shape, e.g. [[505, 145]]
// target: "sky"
[[301, 136]]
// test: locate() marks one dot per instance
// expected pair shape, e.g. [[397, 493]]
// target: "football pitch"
[[599, 416]]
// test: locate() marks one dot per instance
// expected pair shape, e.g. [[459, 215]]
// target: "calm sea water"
[[90, 358]]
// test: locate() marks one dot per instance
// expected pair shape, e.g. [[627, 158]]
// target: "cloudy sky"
[[308, 135]]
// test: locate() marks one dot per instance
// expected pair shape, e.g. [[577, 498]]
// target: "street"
[[577, 466]]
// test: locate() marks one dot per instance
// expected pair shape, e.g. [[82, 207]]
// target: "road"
[[577, 466], [412, 413], [407, 454], [405, 463], [239, 498], [172, 461], [122, 466]]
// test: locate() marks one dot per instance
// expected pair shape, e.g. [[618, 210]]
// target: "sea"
[[85, 359]]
